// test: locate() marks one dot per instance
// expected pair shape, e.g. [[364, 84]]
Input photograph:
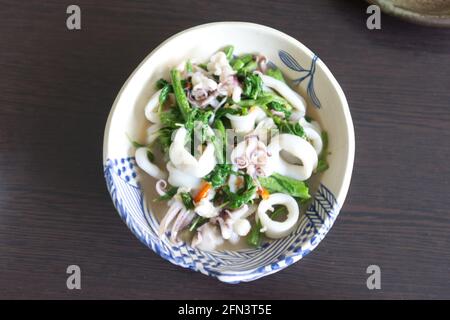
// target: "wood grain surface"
[[56, 90]]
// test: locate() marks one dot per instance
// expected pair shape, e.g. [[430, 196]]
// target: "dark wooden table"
[[57, 87]]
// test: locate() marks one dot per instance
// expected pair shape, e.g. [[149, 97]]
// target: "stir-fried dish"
[[238, 150]]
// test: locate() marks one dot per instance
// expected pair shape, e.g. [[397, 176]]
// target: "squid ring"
[[184, 161], [153, 132], [299, 148], [151, 108], [179, 178], [245, 124], [276, 229], [291, 96], [144, 163], [312, 131]]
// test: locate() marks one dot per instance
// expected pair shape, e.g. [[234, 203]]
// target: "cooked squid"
[[276, 229], [233, 224], [216, 197], [246, 123], [176, 218], [208, 237], [312, 131], [294, 98], [145, 164], [299, 148], [180, 178], [151, 108], [185, 161]]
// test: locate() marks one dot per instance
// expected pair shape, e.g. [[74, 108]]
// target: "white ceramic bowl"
[[315, 83]]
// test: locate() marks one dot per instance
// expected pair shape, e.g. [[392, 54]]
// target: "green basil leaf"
[[253, 86], [229, 52], [164, 95], [161, 83], [243, 196], [187, 200], [219, 175], [279, 183], [276, 73], [197, 222], [171, 118], [169, 194]]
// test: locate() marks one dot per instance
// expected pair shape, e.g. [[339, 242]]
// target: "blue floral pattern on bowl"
[[292, 64]]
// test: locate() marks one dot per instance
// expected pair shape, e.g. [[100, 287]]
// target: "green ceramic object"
[[426, 12]]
